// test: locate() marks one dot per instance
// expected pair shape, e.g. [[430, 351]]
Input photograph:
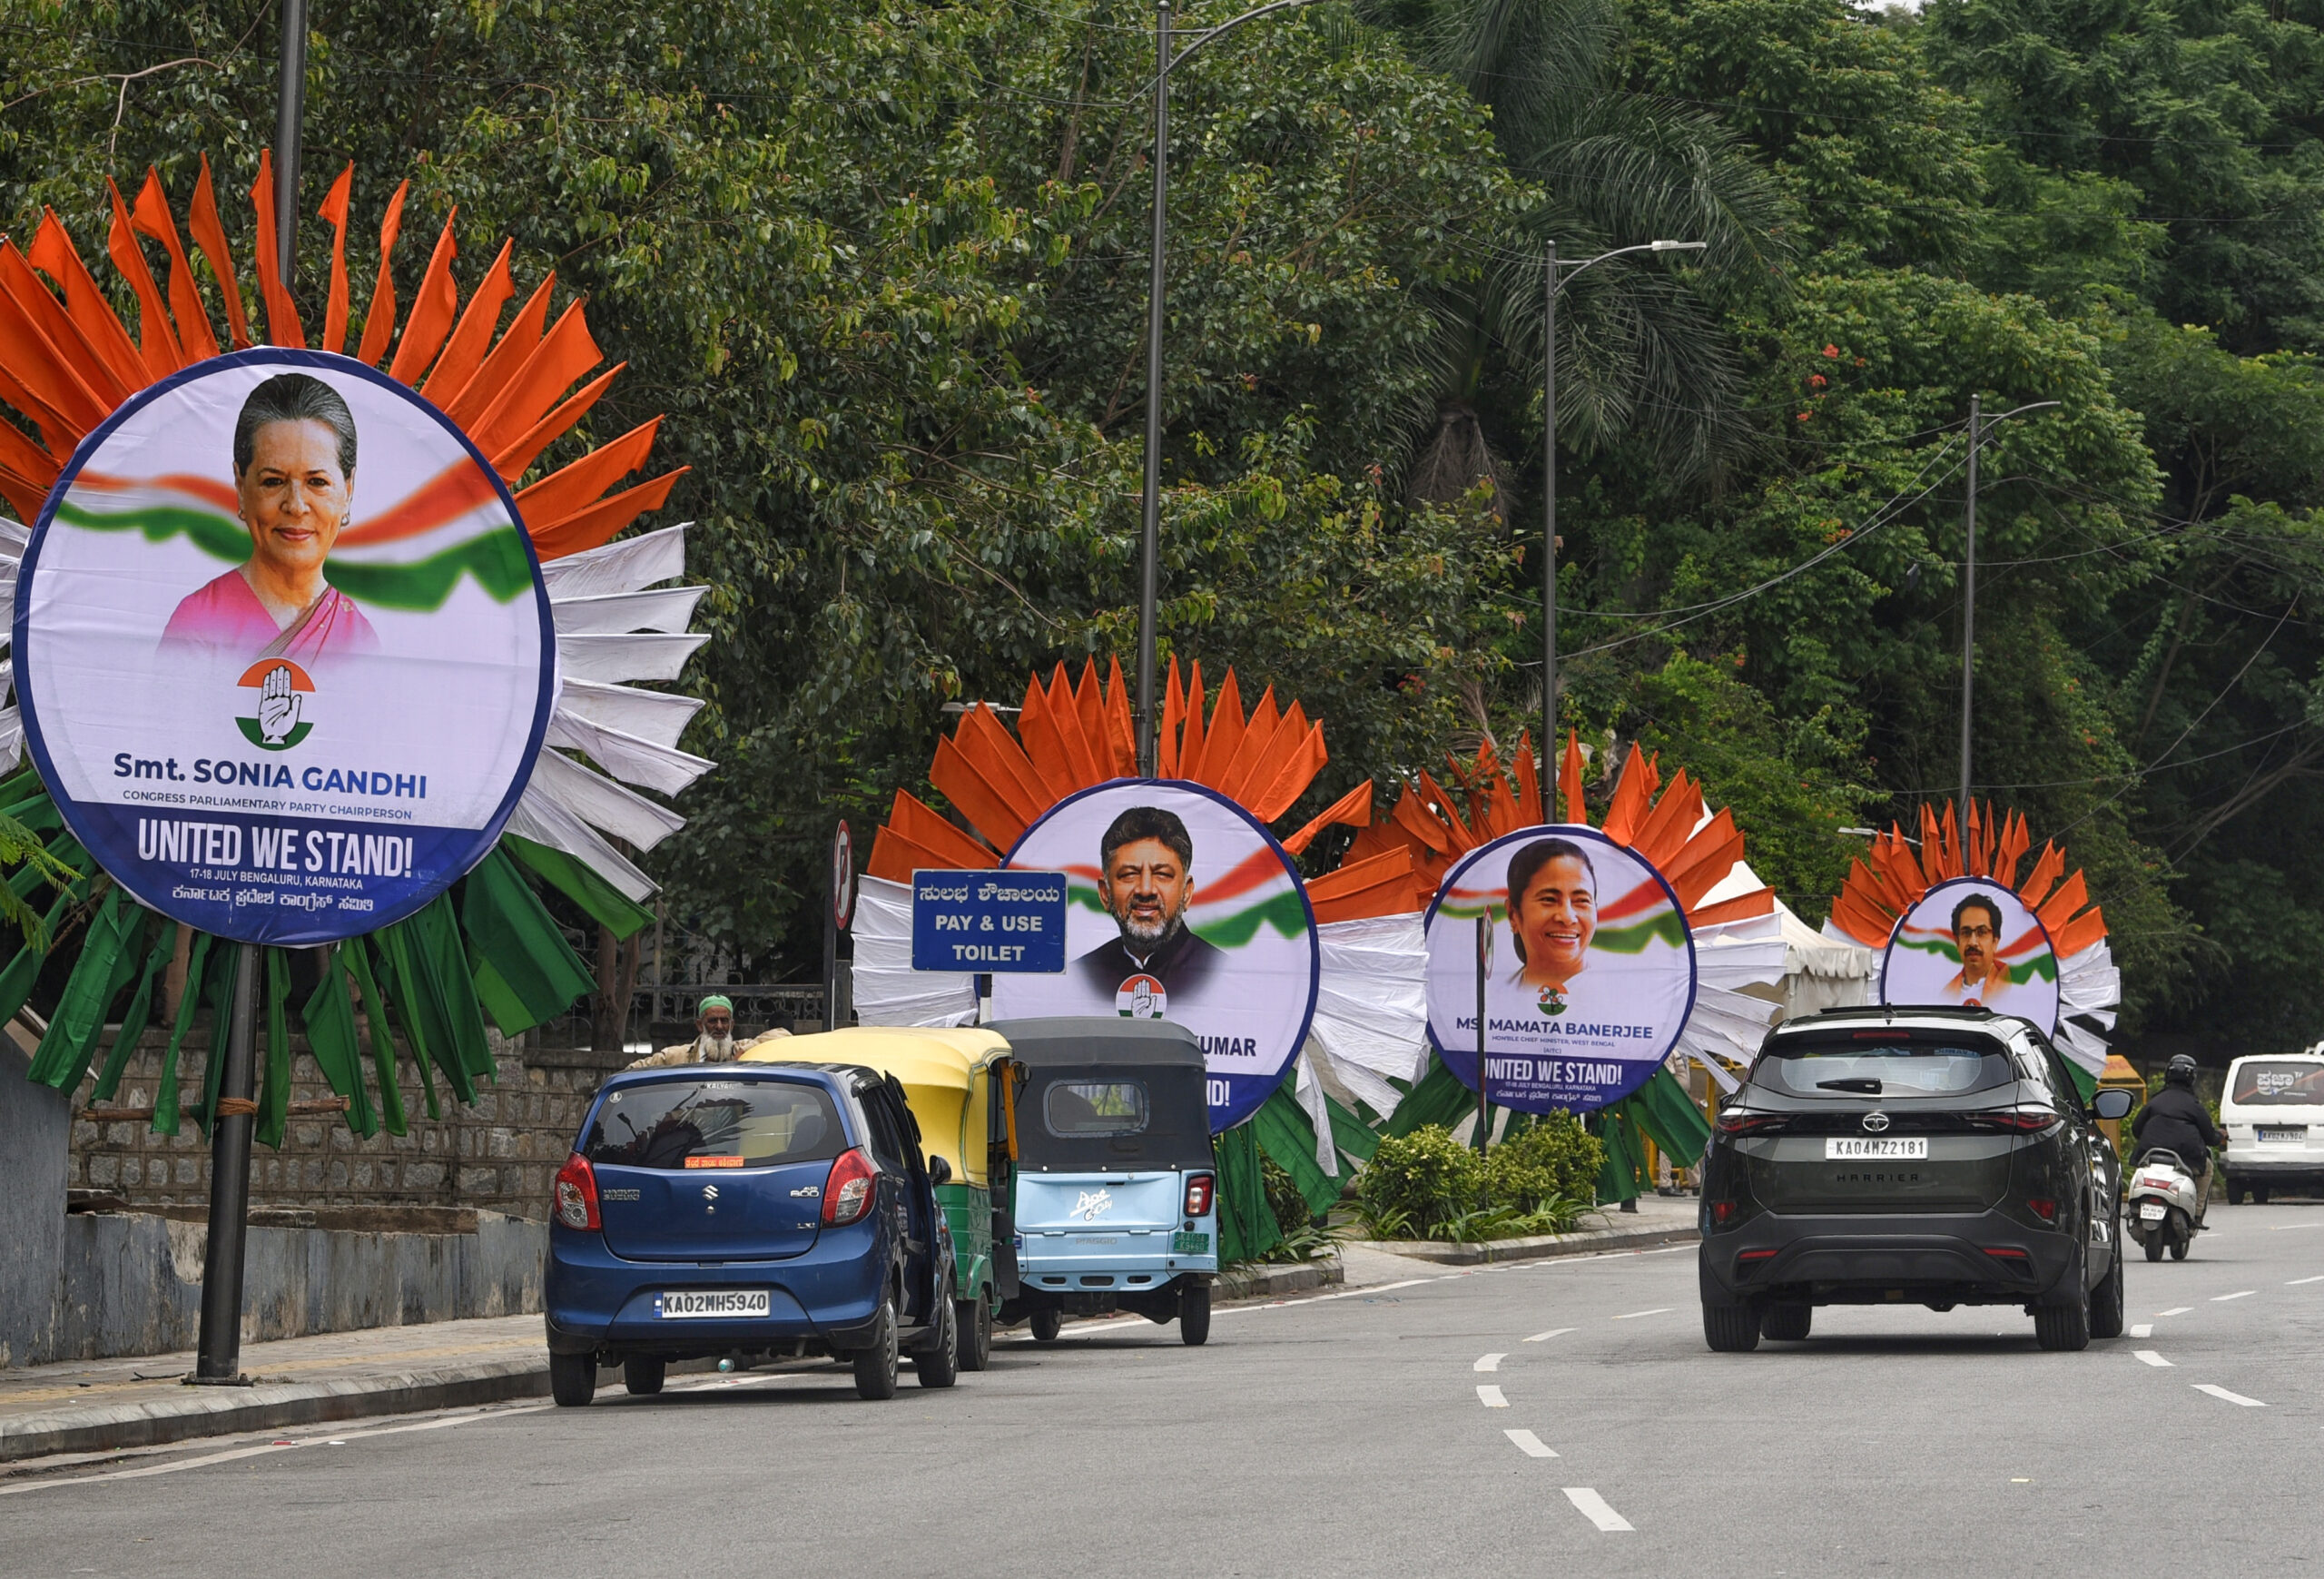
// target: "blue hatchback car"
[[765, 1211]]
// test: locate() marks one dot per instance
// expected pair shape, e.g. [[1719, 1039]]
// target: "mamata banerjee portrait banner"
[[1591, 975], [1971, 942], [1180, 906], [283, 651]]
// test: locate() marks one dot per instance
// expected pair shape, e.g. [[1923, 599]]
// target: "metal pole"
[[1150, 541], [218, 1354], [289, 112], [1968, 630], [1484, 1086], [1550, 539]]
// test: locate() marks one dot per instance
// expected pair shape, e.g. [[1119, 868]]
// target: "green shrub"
[[1555, 1159], [1417, 1182]]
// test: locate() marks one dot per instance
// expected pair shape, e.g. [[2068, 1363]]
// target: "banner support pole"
[[219, 1351], [1484, 1083]]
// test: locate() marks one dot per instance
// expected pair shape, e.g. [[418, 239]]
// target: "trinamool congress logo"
[[277, 691]]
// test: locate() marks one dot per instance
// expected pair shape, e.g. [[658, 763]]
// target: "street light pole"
[[1550, 285], [289, 112], [1149, 574]]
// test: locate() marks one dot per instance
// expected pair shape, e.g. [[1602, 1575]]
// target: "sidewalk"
[[110, 1405], [1660, 1219]]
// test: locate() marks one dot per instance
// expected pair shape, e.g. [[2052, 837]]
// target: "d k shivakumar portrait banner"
[[285, 657]]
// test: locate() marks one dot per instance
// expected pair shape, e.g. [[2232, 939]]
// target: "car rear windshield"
[[1843, 1069], [2284, 1083], [1077, 1109], [716, 1123]]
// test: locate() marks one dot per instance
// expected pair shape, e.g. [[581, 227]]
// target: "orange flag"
[[282, 325], [151, 217], [334, 210], [201, 219], [379, 318], [158, 345]]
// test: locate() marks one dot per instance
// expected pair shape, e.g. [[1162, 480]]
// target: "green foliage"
[[1428, 1186]]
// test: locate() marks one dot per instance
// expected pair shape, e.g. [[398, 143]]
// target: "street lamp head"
[[1679, 246]]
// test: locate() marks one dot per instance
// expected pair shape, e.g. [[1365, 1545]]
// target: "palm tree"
[[1641, 355]]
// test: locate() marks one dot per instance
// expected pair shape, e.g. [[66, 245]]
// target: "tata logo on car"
[[1874, 1123]]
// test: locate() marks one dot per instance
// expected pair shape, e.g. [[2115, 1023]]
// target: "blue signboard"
[[992, 921]]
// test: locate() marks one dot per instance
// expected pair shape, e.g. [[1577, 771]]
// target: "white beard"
[[715, 1049]]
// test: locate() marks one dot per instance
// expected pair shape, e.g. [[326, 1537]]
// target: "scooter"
[[2163, 1207]]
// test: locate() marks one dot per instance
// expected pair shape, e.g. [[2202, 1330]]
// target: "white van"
[[2272, 1109]]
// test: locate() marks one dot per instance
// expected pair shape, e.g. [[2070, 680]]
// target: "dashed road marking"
[[2143, 1329], [1594, 1508], [2296, 1282], [2239, 1294], [1488, 1362], [2280, 1227], [1490, 1398], [2219, 1392], [2150, 1356], [1545, 1336], [2175, 1310], [1634, 1315], [1530, 1445]]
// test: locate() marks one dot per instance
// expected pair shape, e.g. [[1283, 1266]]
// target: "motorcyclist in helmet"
[[2175, 1119]]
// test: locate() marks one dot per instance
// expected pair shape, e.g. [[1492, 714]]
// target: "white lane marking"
[[2239, 1294], [2150, 1356], [2143, 1329], [1488, 1362], [2296, 1282], [1593, 1508], [1634, 1315], [266, 1447], [2220, 1392], [1530, 1445], [1490, 1398], [1545, 1336], [2280, 1227], [2175, 1310]]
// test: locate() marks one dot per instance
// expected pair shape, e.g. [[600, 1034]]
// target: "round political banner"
[[1589, 978], [1181, 906], [283, 651], [1971, 942]]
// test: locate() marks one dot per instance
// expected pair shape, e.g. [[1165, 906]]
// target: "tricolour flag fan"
[[67, 363], [1918, 911]]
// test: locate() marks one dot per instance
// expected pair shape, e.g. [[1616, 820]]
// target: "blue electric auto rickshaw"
[[1114, 1206]]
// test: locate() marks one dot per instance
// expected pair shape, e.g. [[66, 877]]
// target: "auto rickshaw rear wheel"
[[1046, 1322], [973, 1319], [1193, 1313]]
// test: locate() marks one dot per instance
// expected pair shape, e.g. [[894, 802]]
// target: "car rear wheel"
[[572, 1379], [974, 1320], [1731, 1328], [2065, 1326], [2259, 1195], [1194, 1314], [644, 1376], [2236, 1190], [875, 1365], [1787, 1320], [1047, 1323], [2106, 1303], [938, 1362]]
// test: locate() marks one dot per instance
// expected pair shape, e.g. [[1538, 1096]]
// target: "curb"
[[1540, 1248], [224, 1411], [1266, 1282]]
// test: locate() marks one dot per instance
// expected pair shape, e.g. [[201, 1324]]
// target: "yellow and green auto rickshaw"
[[956, 1084]]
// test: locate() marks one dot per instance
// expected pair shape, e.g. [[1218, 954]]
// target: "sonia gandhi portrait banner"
[[284, 654]]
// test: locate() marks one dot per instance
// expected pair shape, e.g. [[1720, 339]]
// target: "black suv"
[[1936, 1156]]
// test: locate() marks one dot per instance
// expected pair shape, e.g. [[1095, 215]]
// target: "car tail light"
[[847, 1193], [2015, 1120], [1750, 1124], [1721, 1211], [2043, 1207], [1756, 1256], [1883, 1036], [576, 1194], [1200, 1188], [2004, 1253]]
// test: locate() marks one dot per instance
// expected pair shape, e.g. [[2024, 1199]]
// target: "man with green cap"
[[714, 1043]]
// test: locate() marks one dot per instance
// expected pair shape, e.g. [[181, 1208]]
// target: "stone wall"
[[499, 1154]]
